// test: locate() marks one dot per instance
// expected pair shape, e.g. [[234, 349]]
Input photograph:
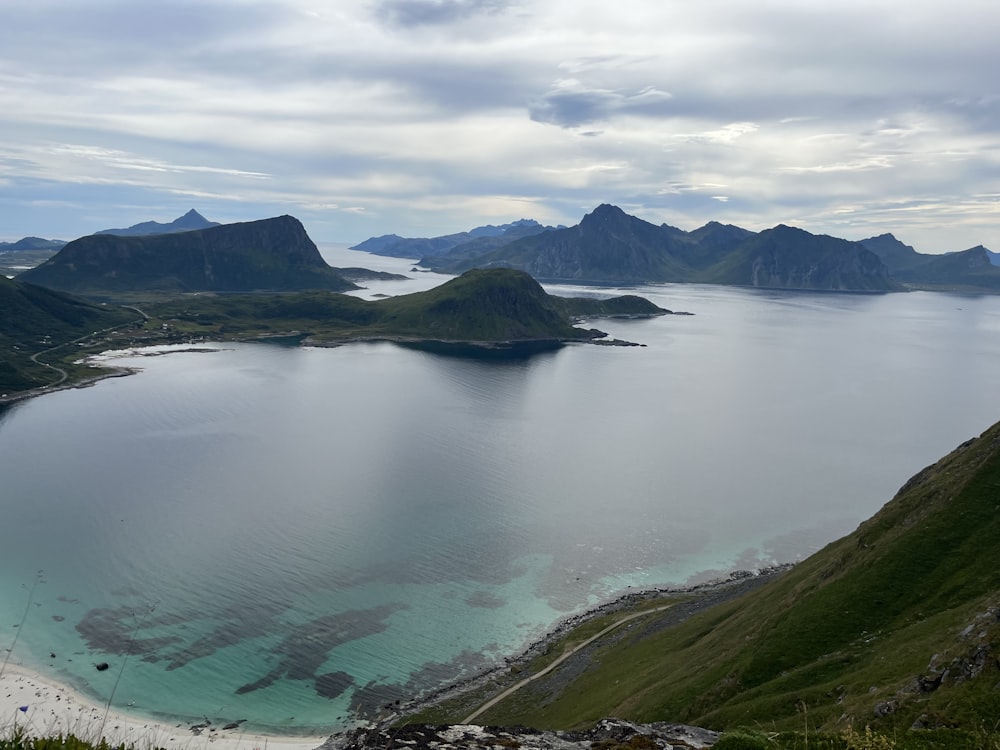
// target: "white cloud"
[[397, 115]]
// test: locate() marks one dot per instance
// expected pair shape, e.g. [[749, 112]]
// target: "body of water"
[[299, 537]]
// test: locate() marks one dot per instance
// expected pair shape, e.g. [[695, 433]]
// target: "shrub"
[[738, 740]]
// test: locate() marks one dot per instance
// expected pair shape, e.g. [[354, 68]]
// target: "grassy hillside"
[[896, 625], [35, 320], [495, 305]]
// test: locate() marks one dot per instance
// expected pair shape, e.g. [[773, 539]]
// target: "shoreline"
[[736, 581], [55, 708]]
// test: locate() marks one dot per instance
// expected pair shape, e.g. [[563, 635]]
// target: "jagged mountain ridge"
[[609, 245], [190, 221], [269, 254]]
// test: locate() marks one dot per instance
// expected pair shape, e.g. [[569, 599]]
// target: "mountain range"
[[609, 245]]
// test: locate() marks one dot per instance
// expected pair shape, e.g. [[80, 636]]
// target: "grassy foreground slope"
[[896, 625]]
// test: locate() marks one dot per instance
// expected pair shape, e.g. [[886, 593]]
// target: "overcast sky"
[[425, 117]]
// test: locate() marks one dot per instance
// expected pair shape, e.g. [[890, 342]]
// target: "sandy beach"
[[54, 709]]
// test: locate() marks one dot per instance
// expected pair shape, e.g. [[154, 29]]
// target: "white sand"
[[57, 709]]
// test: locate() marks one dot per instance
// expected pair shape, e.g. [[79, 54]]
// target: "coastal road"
[[514, 688], [63, 375]]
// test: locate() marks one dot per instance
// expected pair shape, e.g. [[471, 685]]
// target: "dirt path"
[[514, 688]]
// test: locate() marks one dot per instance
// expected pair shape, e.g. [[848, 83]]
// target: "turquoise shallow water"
[[299, 537]]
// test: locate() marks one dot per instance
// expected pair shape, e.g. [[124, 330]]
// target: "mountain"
[[270, 254], [970, 269], [896, 625], [974, 269], [419, 247], [789, 258], [896, 255], [31, 243], [609, 245], [34, 319], [186, 223]]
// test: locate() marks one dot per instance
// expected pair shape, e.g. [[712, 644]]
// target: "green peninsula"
[[496, 311], [481, 309]]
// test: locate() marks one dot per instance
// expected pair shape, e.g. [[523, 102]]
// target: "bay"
[[299, 537]]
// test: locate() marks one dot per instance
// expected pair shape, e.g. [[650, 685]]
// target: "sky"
[[427, 117]]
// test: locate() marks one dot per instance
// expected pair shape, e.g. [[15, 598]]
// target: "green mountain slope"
[[896, 625], [34, 319], [270, 254]]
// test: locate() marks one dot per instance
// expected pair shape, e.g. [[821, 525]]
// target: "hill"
[[479, 311], [190, 221], [270, 254], [31, 243], [488, 236], [33, 320], [609, 245], [896, 625]]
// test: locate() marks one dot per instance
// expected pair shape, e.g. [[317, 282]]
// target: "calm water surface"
[[300, 536]]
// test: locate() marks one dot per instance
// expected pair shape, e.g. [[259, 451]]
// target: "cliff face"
[[271, 254]]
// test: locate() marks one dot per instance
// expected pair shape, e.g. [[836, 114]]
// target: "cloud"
[[436, 12], [431, 116], [570, 103]]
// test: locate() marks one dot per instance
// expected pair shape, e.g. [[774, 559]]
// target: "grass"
[[843, 639]]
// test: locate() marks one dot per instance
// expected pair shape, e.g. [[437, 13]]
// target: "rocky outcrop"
[[609, 733]]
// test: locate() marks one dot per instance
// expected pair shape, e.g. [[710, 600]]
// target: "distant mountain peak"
[[192, 220]]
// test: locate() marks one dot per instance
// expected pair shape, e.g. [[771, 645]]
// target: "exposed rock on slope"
[[609, 732]]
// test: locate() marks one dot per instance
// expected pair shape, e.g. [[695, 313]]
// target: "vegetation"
[[896, 626], [38, 328], [270, 254], [480, 309], [484, 306]]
